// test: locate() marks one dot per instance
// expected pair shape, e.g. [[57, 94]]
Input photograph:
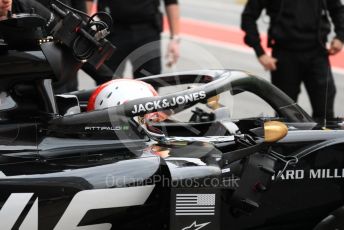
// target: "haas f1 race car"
[[63, 166]]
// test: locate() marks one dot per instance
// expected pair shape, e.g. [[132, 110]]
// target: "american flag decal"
[[195, 204]]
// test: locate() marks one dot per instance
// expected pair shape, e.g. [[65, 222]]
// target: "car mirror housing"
[[214, 102], [274, 131]]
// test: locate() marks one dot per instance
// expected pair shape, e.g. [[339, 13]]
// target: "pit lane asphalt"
[[202, 53]]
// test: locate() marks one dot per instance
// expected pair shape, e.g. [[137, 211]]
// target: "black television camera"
[[87, 39]]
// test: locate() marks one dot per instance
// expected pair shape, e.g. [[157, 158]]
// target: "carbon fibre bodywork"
[[55, 163]]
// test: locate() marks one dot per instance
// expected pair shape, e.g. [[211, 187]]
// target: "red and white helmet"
[[119, 91]]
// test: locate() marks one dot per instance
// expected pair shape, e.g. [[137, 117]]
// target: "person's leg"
[[146, 59], [287, 76], [320, 85], [101, 75], [150, 67], [122, 38]]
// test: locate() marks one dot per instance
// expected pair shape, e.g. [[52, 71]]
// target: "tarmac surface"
[[212, 39]]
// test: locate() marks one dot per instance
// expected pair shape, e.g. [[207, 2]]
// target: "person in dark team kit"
[[298, 34], [137, 23]]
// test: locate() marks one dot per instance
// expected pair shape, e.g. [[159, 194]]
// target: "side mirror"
[[214, 102], [274, 131]]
